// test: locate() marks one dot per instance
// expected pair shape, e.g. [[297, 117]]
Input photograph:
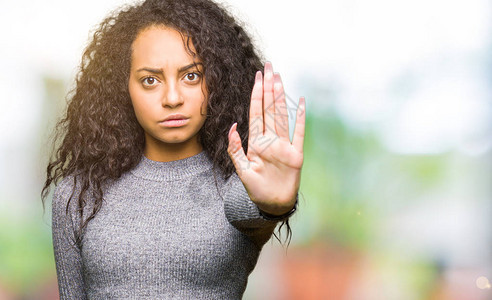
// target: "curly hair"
[[96, 148]]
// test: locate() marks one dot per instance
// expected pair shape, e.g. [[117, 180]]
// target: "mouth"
[[175, 120]]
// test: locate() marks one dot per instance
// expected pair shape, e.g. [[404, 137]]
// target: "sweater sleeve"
[[67, 255], [244, 214]]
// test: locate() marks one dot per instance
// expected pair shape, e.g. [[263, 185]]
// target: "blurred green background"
[[396, 183]]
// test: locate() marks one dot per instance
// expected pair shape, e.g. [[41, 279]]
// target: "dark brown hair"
[[100, 136]]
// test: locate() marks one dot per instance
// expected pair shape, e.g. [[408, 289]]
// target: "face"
[[168, 93]]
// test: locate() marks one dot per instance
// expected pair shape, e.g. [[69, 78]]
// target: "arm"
[[245, 215], [67, 255]]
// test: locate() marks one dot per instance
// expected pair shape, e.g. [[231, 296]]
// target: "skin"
[[270, 171], [271, 174], [158, 88]]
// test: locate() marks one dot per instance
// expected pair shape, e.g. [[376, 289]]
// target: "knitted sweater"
[[163, 232]]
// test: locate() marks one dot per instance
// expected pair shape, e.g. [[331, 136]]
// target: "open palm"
[[271, 170]]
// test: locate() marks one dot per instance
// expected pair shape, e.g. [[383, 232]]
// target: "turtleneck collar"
[[172, 170]]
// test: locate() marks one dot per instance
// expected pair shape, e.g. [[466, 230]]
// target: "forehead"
[[161, 46]]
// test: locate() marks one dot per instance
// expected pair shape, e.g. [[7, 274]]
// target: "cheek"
[[204, 95], [133, 93], [140, 106], [198, 99]]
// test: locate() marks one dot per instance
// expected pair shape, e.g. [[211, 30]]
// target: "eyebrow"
[[159, 71]]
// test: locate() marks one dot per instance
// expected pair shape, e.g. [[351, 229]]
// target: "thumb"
[[236, 151]]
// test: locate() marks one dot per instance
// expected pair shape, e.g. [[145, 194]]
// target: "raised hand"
[[271, 170]]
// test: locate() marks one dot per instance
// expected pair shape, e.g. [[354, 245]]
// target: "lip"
[[174, 117], [174, 120]]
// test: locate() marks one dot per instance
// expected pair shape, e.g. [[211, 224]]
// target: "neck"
[[170, 152]]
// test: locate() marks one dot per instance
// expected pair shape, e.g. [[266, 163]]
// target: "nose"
[[172, 96]]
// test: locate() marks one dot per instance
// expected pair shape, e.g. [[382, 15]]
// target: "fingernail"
[[258, 76], [268, 69], [230, 131]]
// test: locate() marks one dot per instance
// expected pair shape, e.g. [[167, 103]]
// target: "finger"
[[268, 102], [281, 116], [256, 110], [236, 152], [298, 139]]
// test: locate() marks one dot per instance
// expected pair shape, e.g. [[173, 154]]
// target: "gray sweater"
[[163, 232]]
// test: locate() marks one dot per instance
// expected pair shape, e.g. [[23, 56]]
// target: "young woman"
[[175, 163]]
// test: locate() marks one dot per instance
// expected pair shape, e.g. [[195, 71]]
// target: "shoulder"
[[66, 193], [231, 180], [65, 187]]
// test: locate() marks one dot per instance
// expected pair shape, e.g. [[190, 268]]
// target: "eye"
[[149, 81], [192, 77]]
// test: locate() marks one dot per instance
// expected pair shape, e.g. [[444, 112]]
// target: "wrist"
[[278, 214]]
